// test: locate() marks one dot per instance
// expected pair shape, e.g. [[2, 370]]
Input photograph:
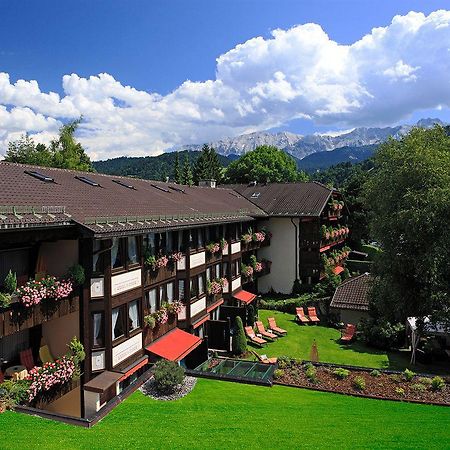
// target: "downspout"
[[296, 250]]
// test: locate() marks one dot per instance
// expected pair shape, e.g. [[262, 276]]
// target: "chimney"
[[167, 179], [207, 183]]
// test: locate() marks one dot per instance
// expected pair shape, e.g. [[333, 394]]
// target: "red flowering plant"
[[213, 247], [51, 375]]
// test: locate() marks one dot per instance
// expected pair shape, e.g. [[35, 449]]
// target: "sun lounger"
[[301, 317], [253, 338], [312, 315], [264, 359], [262, 331], [273, 326], [348, 334]]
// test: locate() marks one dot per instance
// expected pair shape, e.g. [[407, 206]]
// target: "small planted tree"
[[250, 315], [314, 354], [239, 340], [167, 376], [10, 283]]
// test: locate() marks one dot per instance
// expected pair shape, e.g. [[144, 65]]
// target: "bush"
[[76, 273], [437, 384], [371, 251], [425, 381], [400, 391], [359, 383], [408, 375], [381, 333], [78, 354], [167, 376], [311, 374], [251, 315], [284, 361], [239, 341], [13, 393], [341, 373], [287, 305], [149, 321], [278, 373], [5, 300], [375, 373], [418, 387], [10, 283]]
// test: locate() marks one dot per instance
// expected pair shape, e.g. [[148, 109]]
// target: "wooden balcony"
[[213, 257], [254, 245], [265, 270], [159, 275], [212, 301], [17, 317], [150, 335], [326, 245]]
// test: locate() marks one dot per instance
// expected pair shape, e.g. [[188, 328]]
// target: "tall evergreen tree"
[[207, 166], [177, 172], [187, 176]]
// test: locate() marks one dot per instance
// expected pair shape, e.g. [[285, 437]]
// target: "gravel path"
[[183, 389]]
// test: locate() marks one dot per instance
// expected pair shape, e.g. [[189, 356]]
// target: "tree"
[[239, 341], [264, 164], [207, 166], [251, 315], [408, 194], [187, 177], [64, 152], [177, 172]]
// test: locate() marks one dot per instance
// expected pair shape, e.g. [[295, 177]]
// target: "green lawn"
[[219, 414], [299, 339]]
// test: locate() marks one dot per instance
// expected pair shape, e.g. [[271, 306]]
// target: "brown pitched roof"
[[111, 207], [287, 199], [353, 294]]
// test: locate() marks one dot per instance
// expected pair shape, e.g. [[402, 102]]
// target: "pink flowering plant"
[[247, 237], [175, 307], [216, 286], [162, 315], [247, 271], [259, 236], [223, 244], [213, 247], [155, 263], [51, 288], [31, 293], [50, 376], [176, 257]]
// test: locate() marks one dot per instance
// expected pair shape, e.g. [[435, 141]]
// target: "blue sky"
[[155, 46]]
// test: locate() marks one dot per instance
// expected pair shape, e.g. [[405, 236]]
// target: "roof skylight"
[[160, 188], [87, 180], [256, 194], [177, 189], [40, 176], [124, 184]]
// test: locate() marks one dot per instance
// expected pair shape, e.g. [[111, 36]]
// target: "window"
[[200, 239], [98, 330], [217, 267], [96, 256], [118, 322], [133, 257], [181, 289], [116, 253], [151, 300], [193, 287], [225, 269], [209, 274], [162, 295], [149, 244], [133, 315], [201, 284], [170, 292]]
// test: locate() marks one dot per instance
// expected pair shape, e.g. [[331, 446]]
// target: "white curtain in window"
[[97, 329], [170, 292], [132, 250], [133, 314], [162, 297], [114, 251], [201, 285], [208, 274], [217, 270], [181, 289], [114, 316], [152, 300]]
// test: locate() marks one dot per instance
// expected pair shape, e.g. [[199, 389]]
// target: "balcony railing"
[[211, 300], [18, 317], [254, 245], [161, 274], [160, 329]]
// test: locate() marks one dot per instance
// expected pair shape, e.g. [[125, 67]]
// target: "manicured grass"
[[299, 339], [218, 414]]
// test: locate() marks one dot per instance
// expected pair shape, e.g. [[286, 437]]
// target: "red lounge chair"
[[348, 334], [273, 326], [253, 338], [312, 315], [262, 331], [264, 359], [26, 359], [301, 315]]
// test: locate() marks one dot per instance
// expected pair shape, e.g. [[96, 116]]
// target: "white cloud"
[[260, 84]]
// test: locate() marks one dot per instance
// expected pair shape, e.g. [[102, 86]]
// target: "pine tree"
[[187, 176], [177, 172], [207, 166]]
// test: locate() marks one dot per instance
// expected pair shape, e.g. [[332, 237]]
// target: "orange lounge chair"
[[264, 359], [348, 334], [312, 315], [301, 315], [253, 338], [273, 326], [27, 359], [262, 331]]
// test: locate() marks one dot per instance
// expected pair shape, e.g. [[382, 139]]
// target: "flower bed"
[[51, 288], [405, 386]]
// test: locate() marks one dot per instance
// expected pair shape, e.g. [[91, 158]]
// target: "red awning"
[[338, 269], [174, 345], [135, 368], [244, 296]]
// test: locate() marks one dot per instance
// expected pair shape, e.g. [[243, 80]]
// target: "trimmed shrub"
[[287, 305], [13, 393], [251, 315], [239, 341], [341, 373], [278, 373], [149, 321], [5, 300], [437, 384], [375, 373], [10, 283], [167, 376], [311, 374], [359, 383], [425, 381], [418, 387], [284, 362], [408, 375]]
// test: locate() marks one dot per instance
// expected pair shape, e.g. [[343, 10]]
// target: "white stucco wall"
[[282, 254], [350, 316], [57, 333]]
